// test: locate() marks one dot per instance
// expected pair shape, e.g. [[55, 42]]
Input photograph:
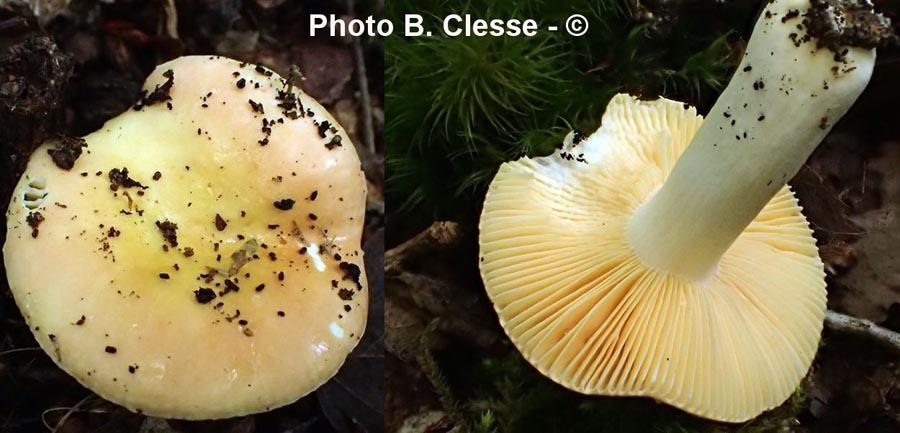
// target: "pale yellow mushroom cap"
[[585, 311], [125, 308]]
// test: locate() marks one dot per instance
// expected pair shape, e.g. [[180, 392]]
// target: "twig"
[[15, 24], [22, 349], [171, 23], [851, 325], [441, 234], [65, 417], [426, 273], [362, 82]]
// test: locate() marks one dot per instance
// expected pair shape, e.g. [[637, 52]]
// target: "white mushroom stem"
[[781, 102]]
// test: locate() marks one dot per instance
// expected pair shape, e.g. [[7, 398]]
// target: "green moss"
[[500, 392], [504, 394], [456, 108]]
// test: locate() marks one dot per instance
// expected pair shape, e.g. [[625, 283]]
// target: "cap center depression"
[[452, 25]]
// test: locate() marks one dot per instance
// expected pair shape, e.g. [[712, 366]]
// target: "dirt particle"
[[220, 223], [352, 273], [257, 107], [284, 204], [324, 127], [120, 178], [66, 152], [231, 286], [204, 295], [793, 13], [334, 142], [168, 230], [34, 219], [159, 94], [264, 71], [840, 24]]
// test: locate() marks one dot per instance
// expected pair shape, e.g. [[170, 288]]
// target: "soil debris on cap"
[[168, 230], [284, 204], [257, 107], [119, 178], [334, 142], [351, 272], [159, 94], [323, 127], [66, 152], [230, 286], [34, 219], [204, 295], [263, 71], [220, 223]]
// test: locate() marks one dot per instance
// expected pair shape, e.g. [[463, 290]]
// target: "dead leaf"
[[327, 68], [873, 282]]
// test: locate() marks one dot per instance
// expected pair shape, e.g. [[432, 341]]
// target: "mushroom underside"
[[585, 311]]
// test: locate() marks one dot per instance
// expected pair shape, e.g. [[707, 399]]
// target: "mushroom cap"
[[125, 307], [587, 313]]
